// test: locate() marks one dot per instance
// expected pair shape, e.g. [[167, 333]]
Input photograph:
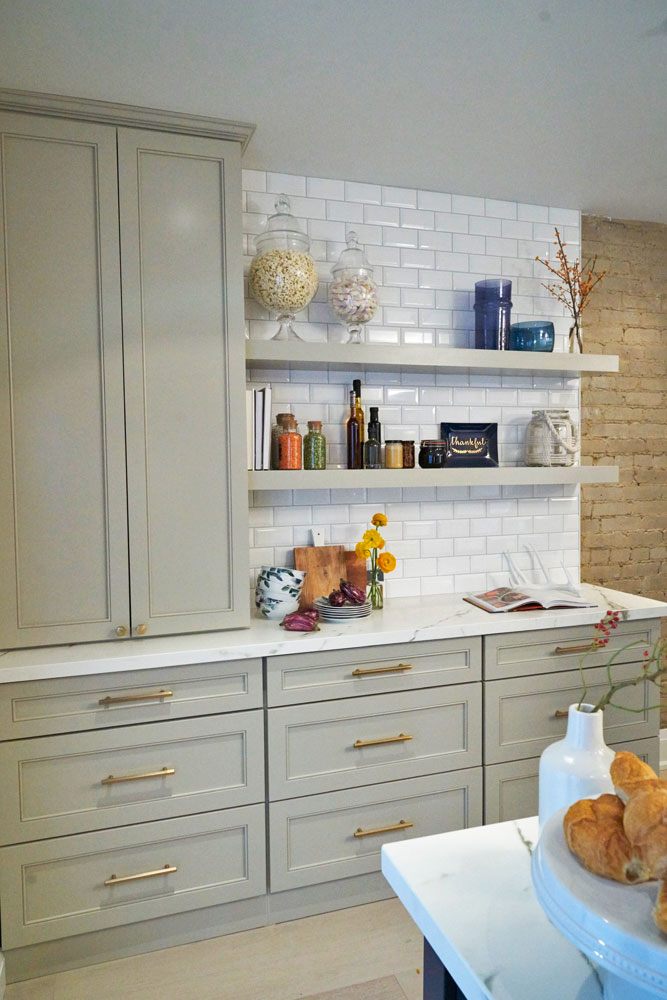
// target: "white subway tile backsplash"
[[428, 250]]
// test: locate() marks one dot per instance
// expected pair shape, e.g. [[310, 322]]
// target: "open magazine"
[[526, 599]]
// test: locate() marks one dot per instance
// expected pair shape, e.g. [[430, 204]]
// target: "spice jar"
[[276, 431], [408, 454], [393, 455], [290, 444], [283, 276], [314, 447], [433, 454], [353, 293]]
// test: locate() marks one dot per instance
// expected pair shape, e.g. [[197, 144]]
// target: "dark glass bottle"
[[374, 426], [353, 434], [372, 453], [356, 384]]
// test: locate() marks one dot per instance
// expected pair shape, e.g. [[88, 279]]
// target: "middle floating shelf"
[[332, 479]]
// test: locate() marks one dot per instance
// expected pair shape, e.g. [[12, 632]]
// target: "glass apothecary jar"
[[353, 293], [283, 275]]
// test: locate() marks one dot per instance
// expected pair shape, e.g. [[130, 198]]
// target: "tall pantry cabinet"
[[123, 500]]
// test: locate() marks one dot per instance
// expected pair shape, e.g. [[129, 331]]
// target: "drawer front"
[[56, 888], [71, 704], [313, 840], [520, 719], [58, 785], [342, 744], [511, 790], [307, 677], [518, 654]]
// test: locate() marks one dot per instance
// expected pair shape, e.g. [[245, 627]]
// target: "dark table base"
[[438, 984]]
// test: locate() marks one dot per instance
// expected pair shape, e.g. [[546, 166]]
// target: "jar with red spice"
[[289, 443]]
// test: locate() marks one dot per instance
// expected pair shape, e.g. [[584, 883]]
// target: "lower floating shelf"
[[333, 479]]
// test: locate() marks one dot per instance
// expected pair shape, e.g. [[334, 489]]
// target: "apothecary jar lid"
[[282, 228], [352, 258]]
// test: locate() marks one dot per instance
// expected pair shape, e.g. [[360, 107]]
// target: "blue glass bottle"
[[492, 313]]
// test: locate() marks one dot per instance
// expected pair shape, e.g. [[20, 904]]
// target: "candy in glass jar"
[[283, 276], [353, 293]]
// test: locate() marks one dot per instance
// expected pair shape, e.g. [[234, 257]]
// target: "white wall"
[[428, 250]]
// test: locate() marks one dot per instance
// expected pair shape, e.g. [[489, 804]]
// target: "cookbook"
[[526, 599]]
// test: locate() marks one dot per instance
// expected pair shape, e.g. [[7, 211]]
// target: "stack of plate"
[[340, 613]]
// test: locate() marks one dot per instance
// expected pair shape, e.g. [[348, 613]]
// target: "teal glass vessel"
[[532, 335]]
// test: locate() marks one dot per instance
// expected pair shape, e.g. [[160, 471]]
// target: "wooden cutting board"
[[325, 566]]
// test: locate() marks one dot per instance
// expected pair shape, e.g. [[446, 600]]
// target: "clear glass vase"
[[374, 593]]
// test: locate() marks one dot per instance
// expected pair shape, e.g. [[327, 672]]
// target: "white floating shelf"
[[332, 479], [299, 355]]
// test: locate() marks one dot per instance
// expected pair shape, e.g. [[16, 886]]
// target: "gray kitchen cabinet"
[[121, 373]]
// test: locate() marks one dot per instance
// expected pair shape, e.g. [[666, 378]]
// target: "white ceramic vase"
[[576, 767]]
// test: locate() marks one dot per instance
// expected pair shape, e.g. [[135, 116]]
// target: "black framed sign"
[[470, 444]]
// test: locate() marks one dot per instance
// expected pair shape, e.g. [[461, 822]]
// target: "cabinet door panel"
[[183, 336], [63, 528]]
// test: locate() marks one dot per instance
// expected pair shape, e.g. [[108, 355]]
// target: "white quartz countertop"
[[471, 895], [401, 620]]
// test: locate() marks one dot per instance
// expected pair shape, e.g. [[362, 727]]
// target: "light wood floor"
[[286, 961]]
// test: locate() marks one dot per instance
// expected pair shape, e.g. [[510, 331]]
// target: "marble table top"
[[471, 895], [405, 619]]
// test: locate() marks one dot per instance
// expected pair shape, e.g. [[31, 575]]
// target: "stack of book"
[[258, 426]]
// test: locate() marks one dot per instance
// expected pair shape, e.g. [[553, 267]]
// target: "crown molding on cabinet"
[[129, 115], [314, 356]]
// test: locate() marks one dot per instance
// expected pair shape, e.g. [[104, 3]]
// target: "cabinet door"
[[180, 206], [63, 519]]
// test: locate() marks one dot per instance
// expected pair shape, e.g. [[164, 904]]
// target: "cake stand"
[[609, 922]]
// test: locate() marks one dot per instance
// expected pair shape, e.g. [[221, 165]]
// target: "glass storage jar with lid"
[[433, 454], [283, 275], [353, 293]]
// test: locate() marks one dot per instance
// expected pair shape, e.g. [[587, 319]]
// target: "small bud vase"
[[576, 767]]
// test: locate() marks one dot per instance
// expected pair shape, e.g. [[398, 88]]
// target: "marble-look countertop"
[[471, 895], [402, 620]]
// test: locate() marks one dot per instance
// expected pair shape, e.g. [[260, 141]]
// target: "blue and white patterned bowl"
[[282, 575], [275, 610]]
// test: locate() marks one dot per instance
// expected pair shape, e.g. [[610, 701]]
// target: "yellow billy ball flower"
[[362, 551], [386, 562], [373, 539], [379, 520]]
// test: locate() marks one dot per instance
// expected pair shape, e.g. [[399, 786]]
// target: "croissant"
[[594, 831], [660, 911], [645, 825], [629, 773]]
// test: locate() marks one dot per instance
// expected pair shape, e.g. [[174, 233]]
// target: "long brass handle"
[[401, 825], [112, 780], [584, 647], [384, 739], [561, 713], [115, 880], [362, 672], [121, 699]]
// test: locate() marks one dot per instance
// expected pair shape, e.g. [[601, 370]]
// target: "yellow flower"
[[362, 551], [379, 520], [373, 539], [386, 562]]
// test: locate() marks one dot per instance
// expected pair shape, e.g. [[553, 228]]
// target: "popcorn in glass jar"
[[353, 293], [283, 276]]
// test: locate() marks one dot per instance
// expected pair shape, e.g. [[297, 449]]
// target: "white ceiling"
[[559, 102]]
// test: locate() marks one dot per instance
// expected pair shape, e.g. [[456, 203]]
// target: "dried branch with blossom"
[[654, 665], [574, 287]]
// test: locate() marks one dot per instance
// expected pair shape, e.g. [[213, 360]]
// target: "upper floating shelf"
[[369, 478], [299, 355]]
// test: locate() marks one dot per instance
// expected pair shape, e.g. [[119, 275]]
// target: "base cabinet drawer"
[[511, 789], [341, 744], [326, 837], [520, 713], [344, 673], [74, 885], [72, 704], [57, 785]]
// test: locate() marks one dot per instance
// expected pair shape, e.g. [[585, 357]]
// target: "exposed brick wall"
[[624, 416]]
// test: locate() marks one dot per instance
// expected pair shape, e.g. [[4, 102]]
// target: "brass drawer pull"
[[363, 672], [561, 713], [115, 880], [584, 647], [121, 699], [384, 739], [111, 780], [401, 825]]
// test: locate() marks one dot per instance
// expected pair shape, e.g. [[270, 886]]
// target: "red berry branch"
[[657, 655], [574, 287]]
